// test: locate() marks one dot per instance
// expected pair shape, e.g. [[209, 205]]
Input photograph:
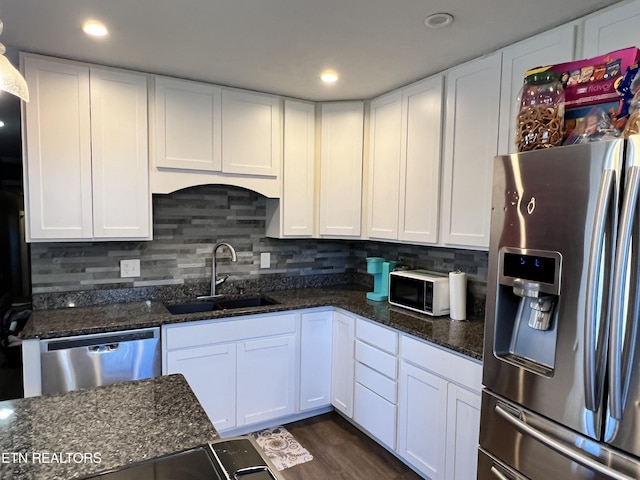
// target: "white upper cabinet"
[[251, 133], [385, 133], [293, 215], [420, 159], [471, 143], [341, 169], [57, 158], [612, 29], [404, 163], [554, 46], [188, 126], [86, 158], [120, 158], [206, 134]]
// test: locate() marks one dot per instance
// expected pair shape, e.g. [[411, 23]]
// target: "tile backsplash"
[[186, 226]]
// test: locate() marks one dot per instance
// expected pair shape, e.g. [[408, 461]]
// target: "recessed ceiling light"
[[329, 77], [438, 20], [94, 28], [1, 124]]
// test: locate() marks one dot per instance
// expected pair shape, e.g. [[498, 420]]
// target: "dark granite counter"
[[85, 432], [465, 337]]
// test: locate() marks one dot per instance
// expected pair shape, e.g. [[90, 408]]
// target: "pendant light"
[[10, 79]]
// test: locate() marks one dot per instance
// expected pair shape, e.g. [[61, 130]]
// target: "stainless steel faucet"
[[234, 258]]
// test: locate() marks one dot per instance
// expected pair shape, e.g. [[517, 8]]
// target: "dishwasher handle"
[[110, 342]]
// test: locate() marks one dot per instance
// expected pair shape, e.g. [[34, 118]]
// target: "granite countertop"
[[85, 432], [465, 337]]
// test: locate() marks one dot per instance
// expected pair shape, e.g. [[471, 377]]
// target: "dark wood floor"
[[342, 452]]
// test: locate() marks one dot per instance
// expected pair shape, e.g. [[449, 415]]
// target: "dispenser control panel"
[[529, 267], [542, 268]]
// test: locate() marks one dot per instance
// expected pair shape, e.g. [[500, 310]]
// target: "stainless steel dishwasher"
[[85, 361]]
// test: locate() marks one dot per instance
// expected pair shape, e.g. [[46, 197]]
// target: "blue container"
[[374, 264]]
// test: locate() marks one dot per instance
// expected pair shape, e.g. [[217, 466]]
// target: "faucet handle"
[[221, 279]]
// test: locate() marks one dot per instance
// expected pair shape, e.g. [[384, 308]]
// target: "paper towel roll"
[[458, 295]]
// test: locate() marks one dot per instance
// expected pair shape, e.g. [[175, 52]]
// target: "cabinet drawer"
[[376, 382], [454, 367], [376, 415], [228, 330], [378, 336], [377, 359]]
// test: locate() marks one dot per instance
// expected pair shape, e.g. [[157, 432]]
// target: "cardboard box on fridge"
[[592, 82]]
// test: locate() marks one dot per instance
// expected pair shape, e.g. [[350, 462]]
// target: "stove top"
[[237, 458]]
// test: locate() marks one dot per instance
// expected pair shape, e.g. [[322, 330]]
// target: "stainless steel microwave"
[[420, 290]]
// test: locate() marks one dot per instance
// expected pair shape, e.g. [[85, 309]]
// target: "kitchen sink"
[[222, 303], [244, 302], [193, 307]]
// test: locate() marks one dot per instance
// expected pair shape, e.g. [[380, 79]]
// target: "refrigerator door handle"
[[570, 453], [595, 341], [504, 475], [621, 330], [498, 474]]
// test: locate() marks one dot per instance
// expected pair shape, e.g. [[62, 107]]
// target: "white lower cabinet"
[[342, 363], [315, 359], [266, 379], [438, 411], [375, 414], [418, 400], [211, 373], [463, 426], [376, 374], [243, 371], [421, 424]]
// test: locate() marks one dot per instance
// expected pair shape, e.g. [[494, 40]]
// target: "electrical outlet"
[[130, 268], [265, 260]]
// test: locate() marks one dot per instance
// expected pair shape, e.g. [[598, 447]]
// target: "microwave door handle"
[[595, 339], [562, 448], [621, 336]]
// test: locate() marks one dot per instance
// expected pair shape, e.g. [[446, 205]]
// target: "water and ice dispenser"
[[526, 308]]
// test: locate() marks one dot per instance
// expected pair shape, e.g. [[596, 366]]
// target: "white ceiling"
[[281, 46]]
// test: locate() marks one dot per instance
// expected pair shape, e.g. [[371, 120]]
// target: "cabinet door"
[[251, 133], [211, 373], [57, 158], [471, 142], [554, 46], [266, 379], [421, 156], [612, 29], [385, 129], [188, 126], [463, 430], [422, 422], [315, 360], [342, 363], [298, 183], [341, 169], [120, 159]]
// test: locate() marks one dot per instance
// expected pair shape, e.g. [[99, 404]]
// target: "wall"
[[187, 224]]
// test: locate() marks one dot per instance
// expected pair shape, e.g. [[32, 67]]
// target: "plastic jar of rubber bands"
[[540, 119]]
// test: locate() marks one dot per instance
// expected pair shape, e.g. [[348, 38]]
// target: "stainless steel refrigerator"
[[561, 371]]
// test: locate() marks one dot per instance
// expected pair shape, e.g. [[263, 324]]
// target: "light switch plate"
[[130, 268], [265, 260]]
